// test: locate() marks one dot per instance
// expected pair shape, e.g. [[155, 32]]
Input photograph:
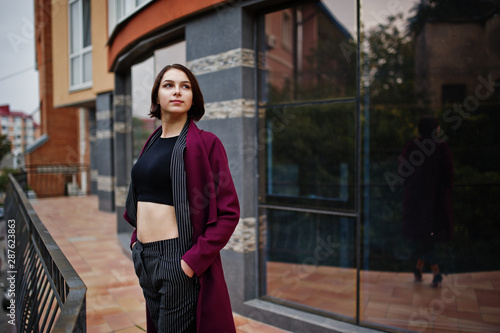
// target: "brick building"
[[58, 162], [19, 128]]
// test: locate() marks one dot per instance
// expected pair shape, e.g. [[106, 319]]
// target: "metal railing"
[[58, 179], [49, 294]]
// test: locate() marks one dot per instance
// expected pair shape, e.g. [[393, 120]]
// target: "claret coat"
[[214, 212]]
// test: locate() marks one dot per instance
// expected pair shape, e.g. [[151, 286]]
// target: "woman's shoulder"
[[213, 145], [207, 137]]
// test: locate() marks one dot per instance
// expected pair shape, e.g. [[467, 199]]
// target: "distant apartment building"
[[19, 128]]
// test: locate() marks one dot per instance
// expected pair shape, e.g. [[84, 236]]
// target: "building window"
[[119, 10], [307, 164], [287, 31], [5, 121], [80, 48]]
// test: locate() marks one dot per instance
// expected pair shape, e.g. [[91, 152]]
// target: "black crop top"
[[151, 173]]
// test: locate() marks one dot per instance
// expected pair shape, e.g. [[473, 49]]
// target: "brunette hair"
[[197, 108], [427, 125]]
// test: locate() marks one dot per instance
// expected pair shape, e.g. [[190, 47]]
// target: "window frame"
[[82, 52], [127, 9], [352, 214]]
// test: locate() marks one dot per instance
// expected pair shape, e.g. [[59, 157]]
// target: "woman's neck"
[[172, 126]]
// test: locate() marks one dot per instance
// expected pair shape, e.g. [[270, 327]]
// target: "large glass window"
[[412, 130], [80, 48], [307, 160], [430, 209]]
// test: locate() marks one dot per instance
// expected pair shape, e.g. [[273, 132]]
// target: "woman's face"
[[175, 95]]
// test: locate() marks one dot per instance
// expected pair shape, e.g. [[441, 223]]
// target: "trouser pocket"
[[139, 267]]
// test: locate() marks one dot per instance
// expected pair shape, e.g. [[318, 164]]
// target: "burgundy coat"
[[427, 202], [214, 211]]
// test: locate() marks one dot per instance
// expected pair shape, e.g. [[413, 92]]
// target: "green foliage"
[[391, 62], [4, 177], [313, 151], [5, 146]]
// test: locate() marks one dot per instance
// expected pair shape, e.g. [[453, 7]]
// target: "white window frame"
[[120, 10], [82, 52]]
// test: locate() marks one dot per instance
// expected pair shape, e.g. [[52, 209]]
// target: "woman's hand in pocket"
[[187, 270]]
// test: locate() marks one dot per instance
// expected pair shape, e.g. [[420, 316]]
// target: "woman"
[[184, 206], [427, 206]]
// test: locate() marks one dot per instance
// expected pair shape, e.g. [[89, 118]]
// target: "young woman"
[[427, 202], [184, 206]]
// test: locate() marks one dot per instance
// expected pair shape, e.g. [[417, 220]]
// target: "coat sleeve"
[[218, 230]]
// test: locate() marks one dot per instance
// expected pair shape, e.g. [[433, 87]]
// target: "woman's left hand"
[[187, 270]]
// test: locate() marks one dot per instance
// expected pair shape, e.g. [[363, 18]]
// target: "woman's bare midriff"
[[155, 222]]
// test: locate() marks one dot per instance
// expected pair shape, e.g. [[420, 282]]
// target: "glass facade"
[[379, 162]]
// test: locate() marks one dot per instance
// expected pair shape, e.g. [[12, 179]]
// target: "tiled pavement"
[[89, 240]]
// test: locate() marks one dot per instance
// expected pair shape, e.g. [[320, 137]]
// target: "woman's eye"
[[186, 86]]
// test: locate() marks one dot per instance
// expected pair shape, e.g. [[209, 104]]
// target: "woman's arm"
[[219, 231]]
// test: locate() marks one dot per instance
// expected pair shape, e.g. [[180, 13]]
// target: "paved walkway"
[[89, 240]]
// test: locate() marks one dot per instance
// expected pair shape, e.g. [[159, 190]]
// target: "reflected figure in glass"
[[427, 206]]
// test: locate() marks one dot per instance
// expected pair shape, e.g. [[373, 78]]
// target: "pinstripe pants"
[[170, 294]]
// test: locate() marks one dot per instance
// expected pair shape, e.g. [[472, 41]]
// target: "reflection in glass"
[[310, 260], [306, 55], [431, 58], [142, 82], [310, 156]]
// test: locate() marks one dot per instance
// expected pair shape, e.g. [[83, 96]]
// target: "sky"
[[18, 77]]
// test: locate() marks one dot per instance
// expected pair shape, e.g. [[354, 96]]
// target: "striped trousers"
[[170, 294]]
